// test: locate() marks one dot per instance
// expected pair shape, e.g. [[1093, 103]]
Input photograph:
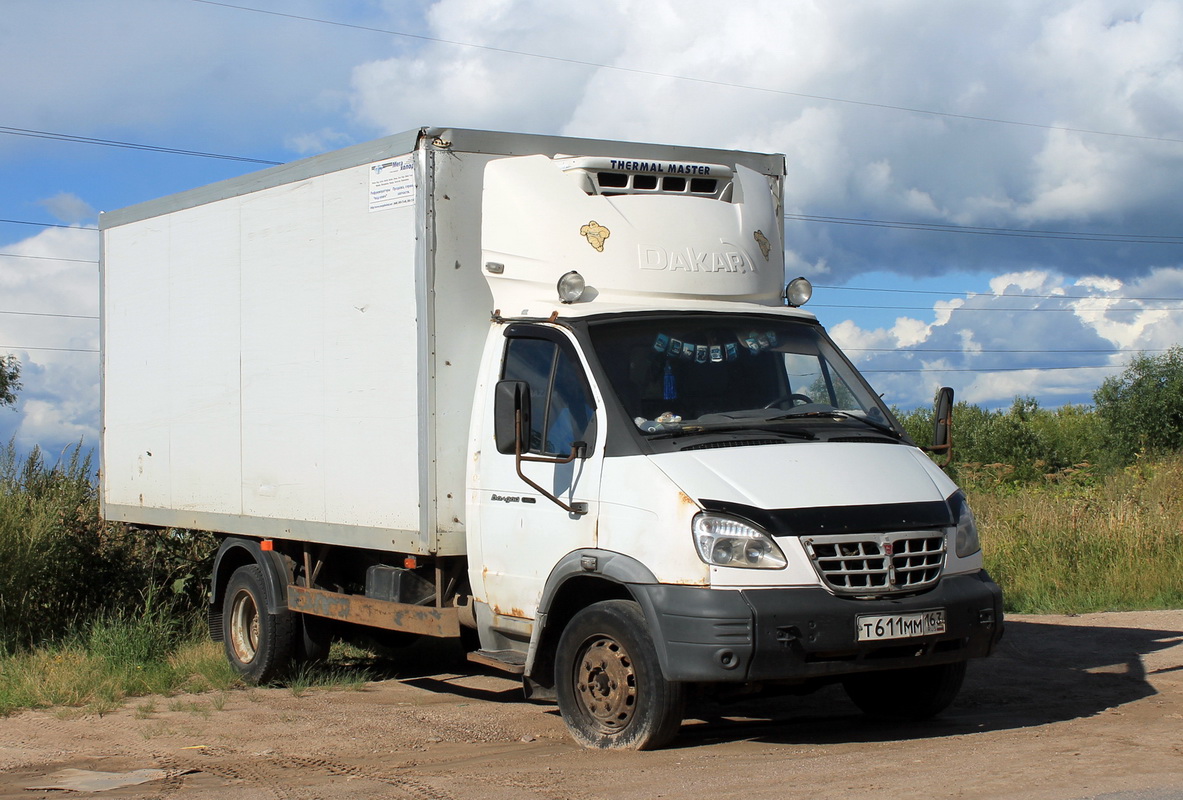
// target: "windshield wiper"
[[755, 426], [694, 429], [879, 426]]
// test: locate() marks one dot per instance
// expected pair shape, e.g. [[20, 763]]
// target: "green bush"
[[62, 567], [10, 379], [1142, 408], [1022, 445]]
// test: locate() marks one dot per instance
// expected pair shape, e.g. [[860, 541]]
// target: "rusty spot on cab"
[[685, 498], [513, 612]]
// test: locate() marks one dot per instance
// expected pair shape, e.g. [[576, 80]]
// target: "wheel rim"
[[606, 684], [244, 627]]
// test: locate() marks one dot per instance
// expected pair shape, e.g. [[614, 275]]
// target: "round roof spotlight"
[[571, 287], [798, 292]]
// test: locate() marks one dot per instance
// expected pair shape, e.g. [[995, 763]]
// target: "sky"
[[986, 195]]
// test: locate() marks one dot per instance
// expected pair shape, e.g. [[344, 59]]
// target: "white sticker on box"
[[392, 183]]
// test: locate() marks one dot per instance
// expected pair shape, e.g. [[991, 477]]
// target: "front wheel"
[[906, 694], [610, 688], [259, 645]]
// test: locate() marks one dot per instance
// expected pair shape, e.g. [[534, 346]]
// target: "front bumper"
[[804, 633]]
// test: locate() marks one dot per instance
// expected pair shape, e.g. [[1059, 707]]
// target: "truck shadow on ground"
[[1040, 674], [435, 665]]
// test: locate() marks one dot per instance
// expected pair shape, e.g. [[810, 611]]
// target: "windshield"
[[716, 372]]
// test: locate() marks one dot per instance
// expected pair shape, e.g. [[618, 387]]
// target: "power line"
[[989, 294], [51, 349], [672, 76], [66, 137], [986, 370], [47, 314], [969, 308], [48, 225], [1018, 233], [51, 258], [820, 305], [1021, 233], [975, 352]]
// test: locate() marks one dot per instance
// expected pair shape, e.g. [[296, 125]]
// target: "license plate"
[[872, 628]]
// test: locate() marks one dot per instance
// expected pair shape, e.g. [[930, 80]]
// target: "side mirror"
[[942, 425], [511, 402], [942, 418]]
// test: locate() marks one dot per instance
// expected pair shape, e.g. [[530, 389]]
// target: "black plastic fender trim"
[[273, 565], [605, 565]]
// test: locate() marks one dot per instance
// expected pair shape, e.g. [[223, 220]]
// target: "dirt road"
[[1072, 707]]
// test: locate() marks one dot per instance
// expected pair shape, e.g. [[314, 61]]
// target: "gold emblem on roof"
[[595, 233], [762, 240]]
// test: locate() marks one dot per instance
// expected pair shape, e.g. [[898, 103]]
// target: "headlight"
[[729, 542], [966, 539]]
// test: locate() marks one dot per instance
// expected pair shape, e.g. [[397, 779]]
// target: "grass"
[[1079, 543], [98, 670], [114, 661], [328, 675]]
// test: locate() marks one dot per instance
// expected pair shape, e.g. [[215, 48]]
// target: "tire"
[[315, 638], [313, 635], [906, 694], [259, 645], [610, 688]]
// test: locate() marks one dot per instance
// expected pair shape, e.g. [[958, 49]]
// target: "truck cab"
[[679, 479]]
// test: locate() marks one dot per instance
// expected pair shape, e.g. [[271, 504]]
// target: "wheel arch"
[[238, 552], [580, 579]]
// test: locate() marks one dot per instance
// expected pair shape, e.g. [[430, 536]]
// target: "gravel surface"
[[1070, 707]]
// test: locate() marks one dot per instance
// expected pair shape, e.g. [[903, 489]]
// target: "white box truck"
[[551, 392]]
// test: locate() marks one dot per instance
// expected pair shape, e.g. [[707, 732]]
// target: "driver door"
[[524, 533]]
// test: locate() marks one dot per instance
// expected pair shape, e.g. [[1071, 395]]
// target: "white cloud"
[[448, 84], [48, 310], [908, 332], [1028, 337], [314, 142], [1032, 280], [945, 308], [182, 74], [69, 208]]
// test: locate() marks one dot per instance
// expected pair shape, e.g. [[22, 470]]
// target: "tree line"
[[10, 379], [1136, 414]]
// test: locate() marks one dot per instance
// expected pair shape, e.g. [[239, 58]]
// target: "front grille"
[[878, 563]]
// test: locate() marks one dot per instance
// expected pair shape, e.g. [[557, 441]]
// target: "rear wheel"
[[906, 694], [258, 644], [315, 640], [610, 688]]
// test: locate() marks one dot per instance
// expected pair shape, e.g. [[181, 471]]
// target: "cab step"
[[510, 661]]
